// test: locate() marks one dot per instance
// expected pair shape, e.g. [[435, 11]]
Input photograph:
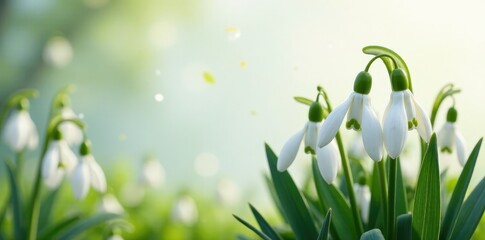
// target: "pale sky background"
[[289, 47]]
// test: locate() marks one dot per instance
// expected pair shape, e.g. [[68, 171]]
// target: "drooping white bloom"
[[110, 204], [328, 159], [402, 114], [152, 173], [87, 173], [58, 160], [449, 138], [360, 116], [20, 132], [71, 132], [291, 147], [363, 197], [185, 211]]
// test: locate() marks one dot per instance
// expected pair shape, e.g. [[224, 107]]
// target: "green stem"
[[19, 164], [383, 184], [391, 220], [350, 184]]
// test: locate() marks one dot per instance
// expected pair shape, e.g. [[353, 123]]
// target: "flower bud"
[[399, 80], [452, 115], [315, 114], [363, 83]]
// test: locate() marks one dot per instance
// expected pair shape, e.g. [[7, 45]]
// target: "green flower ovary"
[[315, 114], [399, 80], [363, 83]]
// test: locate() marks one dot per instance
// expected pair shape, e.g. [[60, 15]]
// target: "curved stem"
[[391, 220], [378, 57], [383, 185]]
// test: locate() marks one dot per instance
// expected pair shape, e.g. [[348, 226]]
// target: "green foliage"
[[374, 234]]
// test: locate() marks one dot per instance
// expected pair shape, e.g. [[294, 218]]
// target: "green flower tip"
[[315, 114], [57, 134], [399, 80], [63, 101], [23, 104], [363, 83], [452, 115], [85, 148], [309, 150], [362, 180]]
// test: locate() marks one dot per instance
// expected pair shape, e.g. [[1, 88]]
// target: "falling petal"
[[424, 124], [395, 125], [328, 162], [371, 131], [233, 33], [290, 149], [332, 124], [80, 180], [311, 135], [460, 148], [208, 78]]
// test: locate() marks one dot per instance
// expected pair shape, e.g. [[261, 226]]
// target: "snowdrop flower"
[[19, 131], [227, 192], [360, 116], [328, 161], [109, 204], [115, 237], [58, 160], [449, 137], [72, 133], [87, 173], [152, 173], [402, 114], [362, 197], [309, 131], [185, 211]]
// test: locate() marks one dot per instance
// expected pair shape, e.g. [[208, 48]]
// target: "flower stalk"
[[391, 219]]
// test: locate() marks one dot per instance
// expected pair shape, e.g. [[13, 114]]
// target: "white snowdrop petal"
[[311, 135], [110, 204], [51, 160], [12, 131], [54, 179], [80, 180], [363, 197], [289, 150], [446, 136], [33, 136], [409, 106], [424, 124], [371, 131], [97, 177], [71, 132], [355, 110], [67, 157], [395, 125], [460, 148], [332, 124], [328, 162]]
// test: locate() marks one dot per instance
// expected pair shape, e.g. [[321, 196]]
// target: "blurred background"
[[202, 85]]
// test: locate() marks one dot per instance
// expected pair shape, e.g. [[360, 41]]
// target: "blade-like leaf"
[[325, 226], [274, 196], [459, 194], [254, 229], [330, 197], [46, 209], [51, 231], [470, 214], [426, 215], [15, 203], [303, 100], [263, 224], [374, 234], [86, 224], [376, 213], [378, 50], [292, 203], [404, 227]]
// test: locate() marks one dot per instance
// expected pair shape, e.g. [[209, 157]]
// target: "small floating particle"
[[233, 33], [158, 97], [208, 78], [243, 64]]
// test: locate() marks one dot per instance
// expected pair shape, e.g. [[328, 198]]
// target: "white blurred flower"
[[403, 113], [70, 131], [449, 138], [227, 192], [363, 197], [185, 211], [19, 131], [87, 173], [110, 204], [328, 159], [58, 160], [152, 173], [115, 237]]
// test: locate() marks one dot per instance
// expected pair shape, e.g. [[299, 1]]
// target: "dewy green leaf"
[[470, 214], [330, 197], [86, 224], [16, 203], [263, 224], [426, 214], [374, 234], [404, 227], [325, 226], [253, 228], [459, 194], [291, 201]]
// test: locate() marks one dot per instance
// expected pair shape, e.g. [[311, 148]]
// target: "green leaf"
[[325, 226], [330, 197], [401, 196], [52, 230], [254, 229], [16, 203], [376, 211], [46, 208], [378, 50], [274, 196], [470, 214], [303, 100], [404, 227], [374, 234], [459, 192], [294, 207], [263, 224], [86, 224], [426, 215]]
